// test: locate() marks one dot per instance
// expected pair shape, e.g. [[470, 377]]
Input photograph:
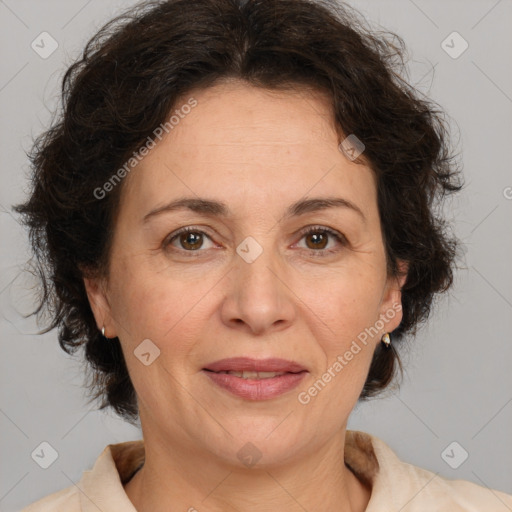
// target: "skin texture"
[[258, 151]]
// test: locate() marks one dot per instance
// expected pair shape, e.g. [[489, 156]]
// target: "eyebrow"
[[220, 209]]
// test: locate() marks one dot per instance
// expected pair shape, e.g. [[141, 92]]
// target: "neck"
[[179, 479]]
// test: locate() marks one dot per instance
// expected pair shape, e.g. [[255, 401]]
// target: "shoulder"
[[408, 488], [66, 500], [101, 484], [423, 488]]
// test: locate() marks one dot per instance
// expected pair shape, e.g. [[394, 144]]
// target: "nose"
[[258, 299]]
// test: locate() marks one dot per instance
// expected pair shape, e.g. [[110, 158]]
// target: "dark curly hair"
[[130, 77]]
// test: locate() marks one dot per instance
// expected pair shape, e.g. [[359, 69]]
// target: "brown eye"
[[188, 239], [191, 240], [318, 239]]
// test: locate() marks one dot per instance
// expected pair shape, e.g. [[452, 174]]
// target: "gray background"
[[458, 383]]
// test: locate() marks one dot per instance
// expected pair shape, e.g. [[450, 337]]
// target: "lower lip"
[[256, 389]]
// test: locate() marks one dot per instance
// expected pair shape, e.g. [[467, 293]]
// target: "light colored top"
[[396, 485]]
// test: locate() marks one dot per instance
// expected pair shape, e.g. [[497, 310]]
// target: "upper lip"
[[255, 365]]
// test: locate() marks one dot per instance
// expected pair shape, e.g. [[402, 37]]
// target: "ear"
[[98, 299], [391, 306]]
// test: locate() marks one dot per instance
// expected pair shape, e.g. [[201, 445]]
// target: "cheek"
[[166, 310], [161, 311], [348, 304], [339, 319]]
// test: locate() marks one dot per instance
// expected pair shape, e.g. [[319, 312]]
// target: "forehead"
[[245, 112], [266, 143]]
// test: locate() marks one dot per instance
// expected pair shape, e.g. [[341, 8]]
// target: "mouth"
[[253, 379], [253, 375], [259, 366]]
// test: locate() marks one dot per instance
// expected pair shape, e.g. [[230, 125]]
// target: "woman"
[[235, 218]]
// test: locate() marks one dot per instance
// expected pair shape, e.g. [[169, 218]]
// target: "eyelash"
[[320, 253]]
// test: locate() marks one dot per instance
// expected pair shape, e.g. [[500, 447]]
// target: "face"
[[250, 281]]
